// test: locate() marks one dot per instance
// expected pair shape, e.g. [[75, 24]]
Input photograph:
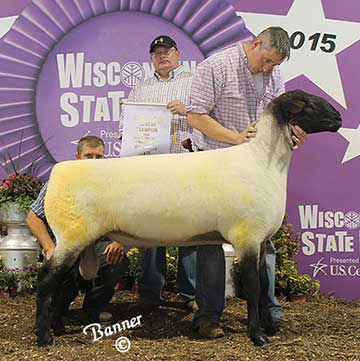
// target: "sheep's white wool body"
[[237, 194], [167, 199]]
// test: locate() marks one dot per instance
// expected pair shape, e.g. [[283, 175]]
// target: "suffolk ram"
[[235, 194]]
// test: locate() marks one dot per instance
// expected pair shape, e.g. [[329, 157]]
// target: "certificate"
[[146, 129]]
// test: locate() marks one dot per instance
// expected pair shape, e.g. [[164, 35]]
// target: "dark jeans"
[[210, 283], [153, 277], [99, 291]]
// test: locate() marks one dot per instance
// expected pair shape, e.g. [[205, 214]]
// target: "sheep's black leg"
[[251, 280], [56, 308], [266, 320], [67, 292], [57, 312], [40, 277], [49, 281]]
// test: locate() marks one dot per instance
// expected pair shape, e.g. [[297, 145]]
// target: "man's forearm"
[[39, 230], [212, 128]]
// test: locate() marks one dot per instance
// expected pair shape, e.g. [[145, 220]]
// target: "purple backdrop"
[[113, 35]]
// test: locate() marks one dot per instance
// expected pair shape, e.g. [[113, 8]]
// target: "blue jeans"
[[210, 281], [274, 305], [210, 284], [153, 277]]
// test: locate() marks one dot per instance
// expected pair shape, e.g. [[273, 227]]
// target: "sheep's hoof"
[[259, 339], [271, 329], [44, 341], [58, 328]]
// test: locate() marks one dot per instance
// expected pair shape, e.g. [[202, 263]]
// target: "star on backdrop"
[[353, 137], [5, 24], [319, 267], [320, 39]]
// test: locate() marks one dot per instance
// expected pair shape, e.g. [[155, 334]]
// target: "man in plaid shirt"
[[229, 91], [112, 261], [171, 85]]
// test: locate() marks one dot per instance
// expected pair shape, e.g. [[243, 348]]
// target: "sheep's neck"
[[273, 144]]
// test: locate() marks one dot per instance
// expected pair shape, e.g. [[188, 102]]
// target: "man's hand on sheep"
[[247, 134], [177, 107], [114, 253], [299, 136]]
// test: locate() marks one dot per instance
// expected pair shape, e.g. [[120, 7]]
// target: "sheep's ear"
[[295, 106]]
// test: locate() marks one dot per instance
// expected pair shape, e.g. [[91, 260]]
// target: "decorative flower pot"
[[3, 293], [298, 298], [12, 292], [19, 248]]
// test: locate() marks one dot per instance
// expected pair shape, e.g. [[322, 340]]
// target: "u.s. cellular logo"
[[336, 267], [328, 231]]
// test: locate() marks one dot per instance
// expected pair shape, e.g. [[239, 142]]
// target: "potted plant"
[[8, 283], [289, 281], [302, 286], [17, 192], [293, 285], [28, 277]]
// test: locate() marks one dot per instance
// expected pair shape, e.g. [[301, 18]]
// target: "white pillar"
[[229, 259]]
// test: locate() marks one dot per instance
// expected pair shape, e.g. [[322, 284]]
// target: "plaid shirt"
[[38, 205], [39, 209], [157, 90], [224, 88]]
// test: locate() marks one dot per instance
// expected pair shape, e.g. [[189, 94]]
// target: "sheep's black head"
[[312, 113]]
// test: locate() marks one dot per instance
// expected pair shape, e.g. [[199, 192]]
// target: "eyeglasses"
[[159, 53]]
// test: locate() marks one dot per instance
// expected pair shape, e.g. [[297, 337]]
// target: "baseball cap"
[[163, 40]]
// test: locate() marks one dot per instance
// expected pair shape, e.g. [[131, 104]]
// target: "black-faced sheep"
[[235, 194]]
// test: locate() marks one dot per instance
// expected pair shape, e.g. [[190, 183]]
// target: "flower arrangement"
[[289, 281], [8, 280], [28, 277], [21, 189], [25, 280]]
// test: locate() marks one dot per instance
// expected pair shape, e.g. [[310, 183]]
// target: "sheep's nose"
[[338, 121]]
